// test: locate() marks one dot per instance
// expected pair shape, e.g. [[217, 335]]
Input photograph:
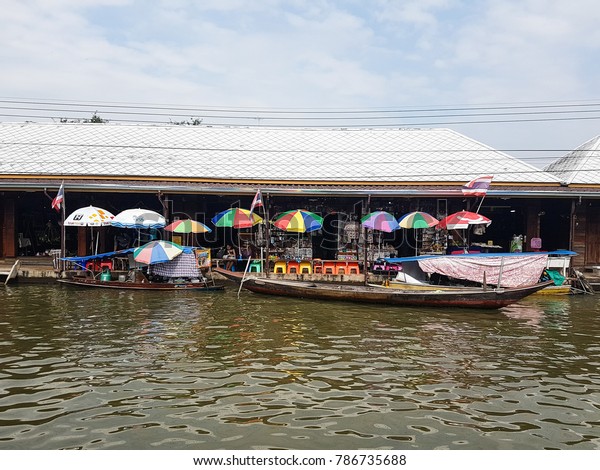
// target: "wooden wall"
[[586, 233], [592, 234], [8, 236], [532, 222]]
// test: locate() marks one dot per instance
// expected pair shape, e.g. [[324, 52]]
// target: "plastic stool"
[[317, 266], [255, 267], [92, 266], [293, 267], [329, 267], [280, 267], [305, 267], [341, 267], [353, 268], [106, 264]]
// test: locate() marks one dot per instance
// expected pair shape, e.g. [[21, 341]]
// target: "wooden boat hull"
[[153, 286], [555, 290], [469, 298], [550, 290]]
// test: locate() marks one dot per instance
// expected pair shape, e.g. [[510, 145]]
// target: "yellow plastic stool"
[[305, 267], [280, 267]]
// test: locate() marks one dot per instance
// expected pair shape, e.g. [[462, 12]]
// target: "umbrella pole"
[[366, 244], [416, 242], [267, 235]]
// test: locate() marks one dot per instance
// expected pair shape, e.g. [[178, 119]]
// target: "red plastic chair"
[[92, 266], [106, 264]]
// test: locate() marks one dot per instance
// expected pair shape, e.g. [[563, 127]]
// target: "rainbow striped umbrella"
[[187, 226], [298, 220], [417, 219], [380, 220], [157, 251], [236, 218]]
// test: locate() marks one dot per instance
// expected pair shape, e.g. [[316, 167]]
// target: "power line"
[[300, 114], [301, 110], [322, 118]]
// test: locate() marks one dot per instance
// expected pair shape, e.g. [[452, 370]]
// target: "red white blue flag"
[[478, 186], [60, 197], [257, 201]]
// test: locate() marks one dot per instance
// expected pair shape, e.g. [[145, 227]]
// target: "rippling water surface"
[[97, 369]]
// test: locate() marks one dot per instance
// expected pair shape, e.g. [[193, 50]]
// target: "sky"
[[518, 75]]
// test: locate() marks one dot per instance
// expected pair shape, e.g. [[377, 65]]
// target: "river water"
[[102, 369]]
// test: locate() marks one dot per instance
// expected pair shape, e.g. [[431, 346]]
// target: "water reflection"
[[540, 312], [96, 369]]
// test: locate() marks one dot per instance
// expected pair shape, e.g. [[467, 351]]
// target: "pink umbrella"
[[462, 220], [380, 220]]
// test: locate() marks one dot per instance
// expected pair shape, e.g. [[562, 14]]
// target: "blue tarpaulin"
[[110, 254]]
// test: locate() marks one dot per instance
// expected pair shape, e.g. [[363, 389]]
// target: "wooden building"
[[197, 171]]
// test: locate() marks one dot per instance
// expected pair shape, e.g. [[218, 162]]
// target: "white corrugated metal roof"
[[581, 166], [256, 153]]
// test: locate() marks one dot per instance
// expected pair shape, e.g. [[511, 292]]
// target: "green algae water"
[[102, 369]]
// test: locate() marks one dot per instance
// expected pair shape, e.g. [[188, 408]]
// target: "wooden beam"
[[9, 235]]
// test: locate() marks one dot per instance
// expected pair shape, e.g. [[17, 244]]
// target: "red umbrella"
[[462, 220]]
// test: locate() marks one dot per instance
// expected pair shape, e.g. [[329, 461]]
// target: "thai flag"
[[60, 197], [257, 201], [478, 186]]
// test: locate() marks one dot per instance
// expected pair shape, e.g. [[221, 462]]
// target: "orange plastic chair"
[[341, 267], [293, 267], [317, 266], [353, 267], [305, 267], [329, 267], [280, 267]]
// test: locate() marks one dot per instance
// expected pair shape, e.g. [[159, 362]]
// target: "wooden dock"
[[10, 273]]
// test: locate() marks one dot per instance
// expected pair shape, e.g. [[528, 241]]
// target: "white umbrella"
[[89, 216], [139, 219]]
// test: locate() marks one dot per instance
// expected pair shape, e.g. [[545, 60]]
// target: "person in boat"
[[230, 256]]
